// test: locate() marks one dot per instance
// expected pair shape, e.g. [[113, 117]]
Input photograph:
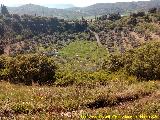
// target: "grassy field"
[[117, 99]]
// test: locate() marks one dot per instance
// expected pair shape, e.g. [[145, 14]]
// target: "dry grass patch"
[[18, 101]]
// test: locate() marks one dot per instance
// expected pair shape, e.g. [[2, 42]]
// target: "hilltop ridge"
[[89, 11]]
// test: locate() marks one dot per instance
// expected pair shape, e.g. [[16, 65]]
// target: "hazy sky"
[[79, 3]]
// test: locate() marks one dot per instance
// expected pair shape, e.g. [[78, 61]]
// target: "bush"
[[114, 16], [114, 63], [1, 50], [143, 27], [152, 10], [28, 68], [3, 67], [144, 62], [67, 78], [132, 21], [139, 14]]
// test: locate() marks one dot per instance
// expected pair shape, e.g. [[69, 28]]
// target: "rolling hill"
[[71, 12], [121, 7], [32, 9]]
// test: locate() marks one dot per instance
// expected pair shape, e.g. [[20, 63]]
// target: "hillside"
[[32, 9], [121, 7], [72, 12], [112, 31]]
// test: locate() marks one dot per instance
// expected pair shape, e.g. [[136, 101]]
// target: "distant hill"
[[72, 12], [32, 9], [121, 7]]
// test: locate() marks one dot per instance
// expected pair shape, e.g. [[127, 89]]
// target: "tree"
[[17, 27], [16, 16], [139, 14], [152, 10], [1, 30], [132, 21], [4, 10], [114, 16], [1, 50]]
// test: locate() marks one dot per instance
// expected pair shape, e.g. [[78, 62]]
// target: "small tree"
[[152, 10], [139, 14], [1, 50], [1, 30], [114, 16], [4, 10], [132, 21]]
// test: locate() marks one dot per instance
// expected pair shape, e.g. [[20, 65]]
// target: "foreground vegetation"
[[82, 61], [82, 84], [73, 102]]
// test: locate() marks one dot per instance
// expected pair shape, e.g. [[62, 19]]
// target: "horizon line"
[[49, 5]]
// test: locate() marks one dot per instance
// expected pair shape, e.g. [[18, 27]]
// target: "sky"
[[78, 3]]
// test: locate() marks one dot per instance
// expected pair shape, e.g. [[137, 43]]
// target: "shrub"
[[29, 68], [3, 68], [152, 10], [114, 16], [1, 50], [139, 14], [67, 78], [144, 62], [114, 63], [132, 21], [147, 26]]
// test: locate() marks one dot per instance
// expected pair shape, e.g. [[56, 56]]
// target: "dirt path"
[[17, 46], [97, 37], [141, 40], [7, 50]]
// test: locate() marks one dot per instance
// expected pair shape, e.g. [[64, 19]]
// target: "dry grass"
[[35, 102]]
